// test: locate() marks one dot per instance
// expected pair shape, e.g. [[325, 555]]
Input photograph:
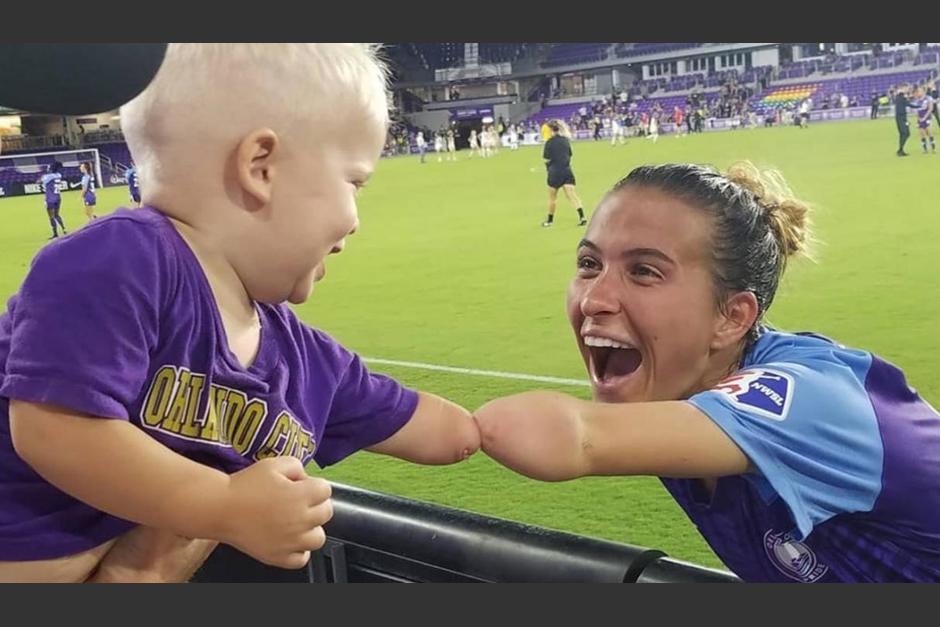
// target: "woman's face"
[[642, 304]]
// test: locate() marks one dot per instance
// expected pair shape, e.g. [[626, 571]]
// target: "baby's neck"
[[236, 309]]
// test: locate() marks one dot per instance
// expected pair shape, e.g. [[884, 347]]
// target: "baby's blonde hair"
[[221, 91]]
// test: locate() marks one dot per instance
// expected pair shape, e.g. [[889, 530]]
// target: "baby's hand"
[[275, 512]]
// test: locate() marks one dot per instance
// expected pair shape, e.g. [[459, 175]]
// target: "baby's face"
[[314, 204]]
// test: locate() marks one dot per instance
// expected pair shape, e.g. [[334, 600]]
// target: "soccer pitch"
[[450, 268]]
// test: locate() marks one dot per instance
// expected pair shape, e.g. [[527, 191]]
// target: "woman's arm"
[[556, 437]]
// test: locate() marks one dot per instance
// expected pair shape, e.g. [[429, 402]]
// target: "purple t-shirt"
[[847, 459], [118, 321]]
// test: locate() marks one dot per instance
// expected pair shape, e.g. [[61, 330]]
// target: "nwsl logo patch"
[[760, 391], [793, 558]]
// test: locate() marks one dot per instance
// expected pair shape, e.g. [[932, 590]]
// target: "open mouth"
[[610, 361]]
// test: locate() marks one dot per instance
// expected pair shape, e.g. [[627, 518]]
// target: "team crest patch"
[[760, 391], [793, 558]]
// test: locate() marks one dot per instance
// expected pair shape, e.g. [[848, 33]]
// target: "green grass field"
[[450, 267]]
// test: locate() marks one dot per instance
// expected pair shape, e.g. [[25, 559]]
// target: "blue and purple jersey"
[[132, 184], [88, 189], [50, 185], [846, 457], [924, 109]]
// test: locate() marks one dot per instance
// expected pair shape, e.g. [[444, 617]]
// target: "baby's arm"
[[439, 432], [271, 510], [115, 467]]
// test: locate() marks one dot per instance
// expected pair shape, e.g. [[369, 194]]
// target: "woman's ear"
[[735, 320]]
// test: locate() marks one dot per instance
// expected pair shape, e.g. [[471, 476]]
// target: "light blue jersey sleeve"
[[808, 427], [51, 178]]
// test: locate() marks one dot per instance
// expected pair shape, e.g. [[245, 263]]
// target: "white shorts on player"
[[451, 148], [653, 130], [616, 133]]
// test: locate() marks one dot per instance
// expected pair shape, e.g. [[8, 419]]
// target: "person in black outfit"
[[874, 105], [557, 155], [901, 103]]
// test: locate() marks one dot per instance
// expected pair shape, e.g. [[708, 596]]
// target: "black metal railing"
[[380, 538]]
